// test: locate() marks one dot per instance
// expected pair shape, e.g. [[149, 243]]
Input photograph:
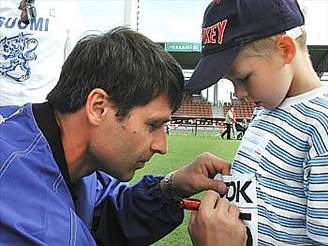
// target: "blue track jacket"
[[37, 208]]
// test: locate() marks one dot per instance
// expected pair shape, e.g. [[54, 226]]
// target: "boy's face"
[[264, 81]]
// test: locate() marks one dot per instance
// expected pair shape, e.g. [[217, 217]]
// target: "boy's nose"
[[240, 92]]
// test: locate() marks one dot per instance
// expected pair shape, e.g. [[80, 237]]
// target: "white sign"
[[242, 194]]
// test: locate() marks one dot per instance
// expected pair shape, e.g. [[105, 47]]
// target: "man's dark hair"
[[131, 68]]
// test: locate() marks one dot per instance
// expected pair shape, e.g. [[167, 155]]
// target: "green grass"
[[181, 150]]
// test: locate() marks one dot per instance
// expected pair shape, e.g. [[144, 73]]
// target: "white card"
[[242, 194]]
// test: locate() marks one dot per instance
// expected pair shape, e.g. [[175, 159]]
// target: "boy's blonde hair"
[[263, 47]]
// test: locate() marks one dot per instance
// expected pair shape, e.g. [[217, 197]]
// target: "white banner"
[[242, 194]]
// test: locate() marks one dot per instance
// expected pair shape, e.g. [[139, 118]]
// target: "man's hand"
[[198, 175], [216, 223]]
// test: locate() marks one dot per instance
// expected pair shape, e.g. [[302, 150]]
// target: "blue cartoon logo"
[[15, 54]]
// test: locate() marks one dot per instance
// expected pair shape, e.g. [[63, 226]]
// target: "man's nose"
[[159, 144]]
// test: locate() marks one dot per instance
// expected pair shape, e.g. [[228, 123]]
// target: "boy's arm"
[[316, 187]]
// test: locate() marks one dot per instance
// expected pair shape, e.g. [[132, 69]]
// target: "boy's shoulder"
[[318, 96], [311, 106]]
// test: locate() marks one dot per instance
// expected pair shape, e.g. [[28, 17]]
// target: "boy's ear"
[[287, 48], [97, 106]]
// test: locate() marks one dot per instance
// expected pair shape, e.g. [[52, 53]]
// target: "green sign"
[[182, 47]]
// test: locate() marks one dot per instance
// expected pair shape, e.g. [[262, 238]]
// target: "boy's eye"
[[243, 80]]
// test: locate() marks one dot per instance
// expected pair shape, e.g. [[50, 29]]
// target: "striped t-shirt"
[[287, 149]]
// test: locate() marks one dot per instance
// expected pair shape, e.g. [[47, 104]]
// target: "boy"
[[260, 46]]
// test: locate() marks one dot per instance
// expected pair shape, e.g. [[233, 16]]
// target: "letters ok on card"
[[242, 194]]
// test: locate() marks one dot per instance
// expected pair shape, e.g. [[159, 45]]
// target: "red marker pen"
[[193, 204], [190, 203]]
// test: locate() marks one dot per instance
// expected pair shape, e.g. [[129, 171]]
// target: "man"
[[229, 120], [105, 116]]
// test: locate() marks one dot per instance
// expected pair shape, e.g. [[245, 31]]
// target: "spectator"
[[31, 55], [228, 122], [241, 128], [167, 129], [234, 121]]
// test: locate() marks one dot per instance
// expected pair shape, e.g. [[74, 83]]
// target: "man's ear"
[[287, 48], [97, 106]]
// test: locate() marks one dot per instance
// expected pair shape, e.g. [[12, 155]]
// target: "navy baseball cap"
[[230, 24]]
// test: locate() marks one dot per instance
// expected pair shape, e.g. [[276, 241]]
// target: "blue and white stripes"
[[287, 148]]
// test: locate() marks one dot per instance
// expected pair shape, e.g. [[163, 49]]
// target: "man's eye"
[[152, 126]]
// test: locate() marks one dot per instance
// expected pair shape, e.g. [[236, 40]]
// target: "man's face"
[[122, 146], [264, 81]]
